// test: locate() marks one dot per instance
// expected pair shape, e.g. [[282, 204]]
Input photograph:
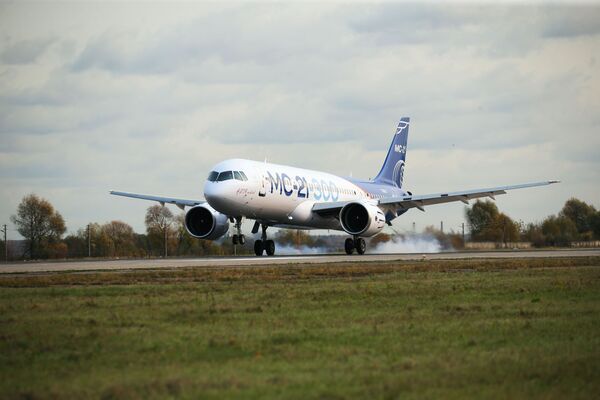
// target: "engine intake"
[[362, 219], [204, 222]]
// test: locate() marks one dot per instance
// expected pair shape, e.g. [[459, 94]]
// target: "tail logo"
[[398, 174], [401, 126]]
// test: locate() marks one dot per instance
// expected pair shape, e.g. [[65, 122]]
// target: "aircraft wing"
[[181, 203], [421, 201]]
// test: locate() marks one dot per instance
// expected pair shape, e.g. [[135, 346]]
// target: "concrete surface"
[[245, 261]]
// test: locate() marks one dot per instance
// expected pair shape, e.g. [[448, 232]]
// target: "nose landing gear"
[[239, 237], [356, 243], [263, 244]]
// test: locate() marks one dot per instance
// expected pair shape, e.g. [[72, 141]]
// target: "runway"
[[114, 265]]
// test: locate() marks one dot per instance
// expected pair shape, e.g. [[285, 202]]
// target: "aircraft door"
[[262, 184]]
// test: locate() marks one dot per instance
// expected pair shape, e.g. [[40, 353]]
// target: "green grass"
[[492, 329]]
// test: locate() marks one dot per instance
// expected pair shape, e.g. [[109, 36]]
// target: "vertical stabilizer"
[[392, 171]]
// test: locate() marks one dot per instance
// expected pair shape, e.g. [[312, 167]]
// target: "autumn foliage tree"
[[487, 223], [118, 239], [559, 231], [582, 215], [41, 226]]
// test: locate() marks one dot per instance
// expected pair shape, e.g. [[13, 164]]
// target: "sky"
[[146, 97]]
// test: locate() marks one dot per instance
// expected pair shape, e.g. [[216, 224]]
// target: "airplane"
[[287, 197]]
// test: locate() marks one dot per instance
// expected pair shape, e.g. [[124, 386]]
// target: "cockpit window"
[[225, 176], [213, 176]]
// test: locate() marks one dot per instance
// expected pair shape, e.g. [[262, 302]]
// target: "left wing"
[[181, 203], [421, 201]]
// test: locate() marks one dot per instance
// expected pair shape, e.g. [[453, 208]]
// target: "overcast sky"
[[147, 97]]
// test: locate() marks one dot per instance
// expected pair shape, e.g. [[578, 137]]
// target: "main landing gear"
[[239, 237], [357, 243], [263, 245]]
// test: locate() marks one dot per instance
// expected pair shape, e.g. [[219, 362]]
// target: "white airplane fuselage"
[[281, 195]]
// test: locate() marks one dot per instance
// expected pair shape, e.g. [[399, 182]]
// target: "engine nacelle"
[[362, 219], [204, 222]]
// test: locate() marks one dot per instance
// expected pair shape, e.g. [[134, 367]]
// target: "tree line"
[[43, 229], [576, 221]]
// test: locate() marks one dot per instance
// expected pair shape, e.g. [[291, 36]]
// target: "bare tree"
[[39, 223], [159, 220]]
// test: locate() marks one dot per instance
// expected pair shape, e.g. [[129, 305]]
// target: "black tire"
[[349, 246], [258, 247], [242, 239], [234, 239], [361, 245], [270, 247]]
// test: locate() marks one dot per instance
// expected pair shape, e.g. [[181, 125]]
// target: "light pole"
[[5, 244], [89, 237], [166, 229]]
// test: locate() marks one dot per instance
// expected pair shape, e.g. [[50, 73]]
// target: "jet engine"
[[362, 219], [204, 222]]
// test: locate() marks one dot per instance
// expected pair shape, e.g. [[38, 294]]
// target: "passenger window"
[[225, 176], [213, 176], [237, 176], [244, 177]]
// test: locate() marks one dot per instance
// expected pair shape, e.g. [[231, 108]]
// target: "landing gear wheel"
[[258, 247], [361, 245], [270, 247], [349, 246], [261, 245], [238, 238]]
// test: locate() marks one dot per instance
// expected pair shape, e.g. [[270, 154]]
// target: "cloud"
[[569, 22], [410, 23], [243, 35], [25, 51]]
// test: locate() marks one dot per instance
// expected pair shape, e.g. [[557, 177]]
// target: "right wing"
[[421, 201], [181, 203]]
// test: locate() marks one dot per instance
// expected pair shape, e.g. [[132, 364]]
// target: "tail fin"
[[392, 171]]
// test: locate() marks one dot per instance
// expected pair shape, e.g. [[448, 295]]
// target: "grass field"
[[446, 329]]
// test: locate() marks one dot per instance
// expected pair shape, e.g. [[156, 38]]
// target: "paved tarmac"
[[245, 261]]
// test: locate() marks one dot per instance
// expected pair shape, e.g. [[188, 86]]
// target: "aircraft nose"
[[211, 191], [221, 197]]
